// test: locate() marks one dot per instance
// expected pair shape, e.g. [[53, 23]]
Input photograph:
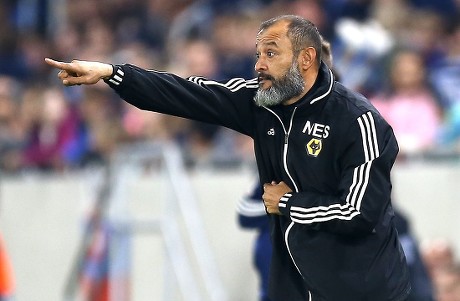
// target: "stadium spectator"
[[409, 106], [437, 254], [447, 283], [12, 134], [445, 78], [53, 130], [422, 286]]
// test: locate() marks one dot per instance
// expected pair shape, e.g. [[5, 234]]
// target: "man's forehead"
[[272, 34]]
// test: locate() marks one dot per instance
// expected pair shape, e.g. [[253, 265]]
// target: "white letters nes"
[[316, 129]]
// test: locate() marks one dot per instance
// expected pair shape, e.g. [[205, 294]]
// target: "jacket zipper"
[[286, 169], [286, 144], [288, 230]]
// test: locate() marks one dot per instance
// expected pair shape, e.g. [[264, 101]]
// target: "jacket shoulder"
[[350, 103]]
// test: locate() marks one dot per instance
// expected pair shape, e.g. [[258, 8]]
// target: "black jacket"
[[335, 239]]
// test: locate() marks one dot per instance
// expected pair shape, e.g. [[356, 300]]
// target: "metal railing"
[[179, 206]]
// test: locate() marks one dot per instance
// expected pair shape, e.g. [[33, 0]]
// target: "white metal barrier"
[[179, 206]]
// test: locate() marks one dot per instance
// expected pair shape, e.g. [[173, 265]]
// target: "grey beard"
[[289, 86]]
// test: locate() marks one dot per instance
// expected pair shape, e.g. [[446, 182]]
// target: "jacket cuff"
[[283, 204], [117, 76]]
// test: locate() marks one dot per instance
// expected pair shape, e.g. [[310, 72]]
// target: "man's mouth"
[[263, 78]]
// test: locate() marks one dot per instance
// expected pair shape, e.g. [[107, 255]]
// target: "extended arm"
[[228, 104]]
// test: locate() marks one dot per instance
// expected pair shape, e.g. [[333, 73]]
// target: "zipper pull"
[[286, 136]]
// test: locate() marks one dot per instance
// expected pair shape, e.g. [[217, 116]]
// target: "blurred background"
[[86, 212]]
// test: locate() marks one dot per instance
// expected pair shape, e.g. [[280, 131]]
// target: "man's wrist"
[[283, 204], [116, 76], [108, 70], [284, 199]]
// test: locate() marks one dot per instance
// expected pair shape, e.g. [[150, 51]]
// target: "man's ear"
[[307, 57]]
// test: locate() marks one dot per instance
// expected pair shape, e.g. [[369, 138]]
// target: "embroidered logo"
[[271, 132], [314, 147]]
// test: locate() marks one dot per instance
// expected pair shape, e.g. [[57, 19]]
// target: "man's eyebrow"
[[269, 43]]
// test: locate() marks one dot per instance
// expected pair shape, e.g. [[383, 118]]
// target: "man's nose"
[[260, 65]]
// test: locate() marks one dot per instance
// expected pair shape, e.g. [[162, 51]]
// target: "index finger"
[[57, 64]]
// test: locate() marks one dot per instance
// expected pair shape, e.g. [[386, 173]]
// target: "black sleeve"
[[228, 104]]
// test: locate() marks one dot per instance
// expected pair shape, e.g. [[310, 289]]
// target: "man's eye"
[[270, 53]]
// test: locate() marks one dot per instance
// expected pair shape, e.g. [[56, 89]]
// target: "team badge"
[[314, 147]]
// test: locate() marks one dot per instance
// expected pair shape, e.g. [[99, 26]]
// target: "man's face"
[[278, 71]]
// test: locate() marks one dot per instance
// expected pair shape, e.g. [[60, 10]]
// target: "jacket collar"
[[321, 88], [320, 91]]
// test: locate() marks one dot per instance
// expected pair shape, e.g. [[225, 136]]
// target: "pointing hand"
[[81, 72]]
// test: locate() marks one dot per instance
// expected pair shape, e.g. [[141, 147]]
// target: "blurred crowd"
[[404, 55]]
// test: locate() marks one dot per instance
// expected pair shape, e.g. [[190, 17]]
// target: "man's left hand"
[[272, 194]]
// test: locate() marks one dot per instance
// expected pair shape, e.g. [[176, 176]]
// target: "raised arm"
[[228, 103]]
